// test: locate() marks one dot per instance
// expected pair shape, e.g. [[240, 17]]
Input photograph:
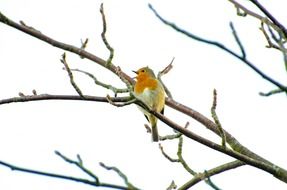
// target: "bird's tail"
[[154, 132]]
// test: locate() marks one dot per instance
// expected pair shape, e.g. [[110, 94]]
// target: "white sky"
[[30, 132]]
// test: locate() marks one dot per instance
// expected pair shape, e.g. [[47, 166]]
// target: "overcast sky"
[[99, 132]]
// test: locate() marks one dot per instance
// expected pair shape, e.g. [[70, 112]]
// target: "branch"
[[236, 37], [253, 14], [79, 164], [220, 46], [67, 68], [59, 176], [260, 163], [121, 174], [104, 85], [163, 72], [272, 92], [109, 47], [216, 120], [270, 16], [79, 51], [280, 173], [217, 170], [61, 97], [84, 45], [196, 175]]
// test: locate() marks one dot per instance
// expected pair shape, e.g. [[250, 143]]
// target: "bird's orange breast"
[[143, 83]]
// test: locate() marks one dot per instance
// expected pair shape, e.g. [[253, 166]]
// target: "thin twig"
[[170, 137], [104, 38], [214, 171], [163, 72], [76, 87], [121, 104], [270, 44], [272, 92], [171, 186], [243, 53], [216, 120], [121, 174], [79, 164], [104, 85], [166, 155], [209, 182], [181, 159], [84, 45]]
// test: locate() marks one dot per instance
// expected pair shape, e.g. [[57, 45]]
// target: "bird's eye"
[[143, 71]]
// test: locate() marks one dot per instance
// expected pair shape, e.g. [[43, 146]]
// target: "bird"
[[150, 91]]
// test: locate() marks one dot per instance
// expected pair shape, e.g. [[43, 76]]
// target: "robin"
[[149, 90]]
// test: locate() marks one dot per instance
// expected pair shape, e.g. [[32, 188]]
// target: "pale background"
[[30, 132]]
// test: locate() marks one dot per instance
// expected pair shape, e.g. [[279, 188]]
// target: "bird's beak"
[[135, 73]]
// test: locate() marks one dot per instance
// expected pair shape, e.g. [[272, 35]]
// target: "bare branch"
[[121, 174], [271, 17], [61, 97], [246, 11], [170, 137], [216, 120], [120, 104], [270, 44], [104, 85], [59, 176], [166, 155], [163, 72], [76, 87], [80, 165], [220, 46], [181, 159], [84, 45], [222, 168], [104, 38], [267, 166], [254, 159], [243, 53], [81, 52], [272, 92]]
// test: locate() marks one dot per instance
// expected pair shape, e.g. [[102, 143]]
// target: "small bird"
[[150, 91]]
